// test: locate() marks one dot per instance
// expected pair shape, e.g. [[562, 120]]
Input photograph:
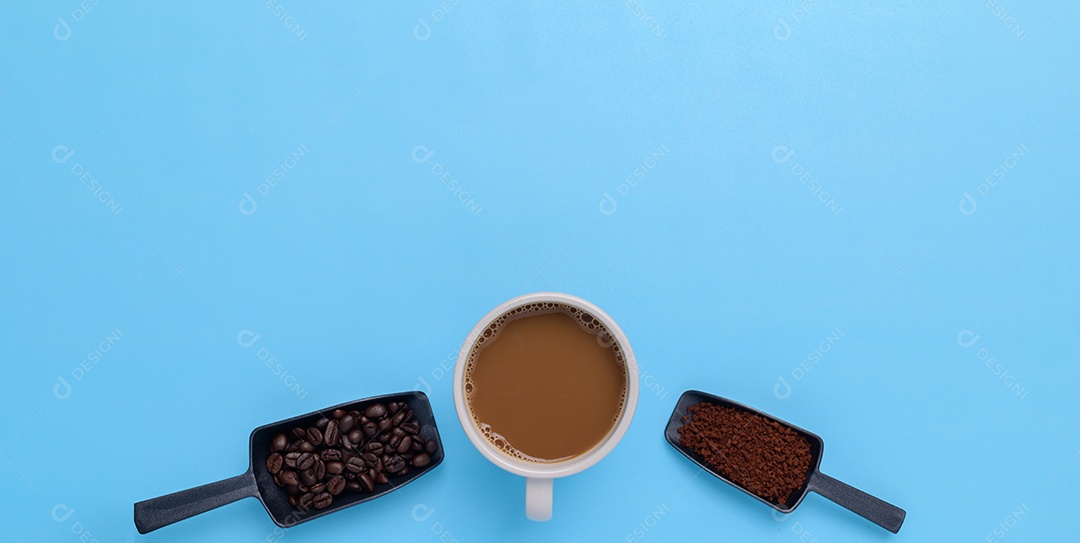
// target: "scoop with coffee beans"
[[352, 451], [317, 463]]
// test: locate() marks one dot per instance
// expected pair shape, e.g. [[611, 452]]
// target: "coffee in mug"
[[545, 382]]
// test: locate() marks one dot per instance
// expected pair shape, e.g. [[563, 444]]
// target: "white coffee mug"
[[540, 476]]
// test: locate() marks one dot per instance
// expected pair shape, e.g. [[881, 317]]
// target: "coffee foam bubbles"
[[585, 320], [504, 445]]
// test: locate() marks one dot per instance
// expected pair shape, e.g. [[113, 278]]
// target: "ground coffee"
[[763, 456]]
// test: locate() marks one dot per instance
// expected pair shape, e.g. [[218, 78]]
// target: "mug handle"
[[538, 496]]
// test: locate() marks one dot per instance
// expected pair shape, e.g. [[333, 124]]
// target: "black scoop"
[[258, 483], [879, 512]]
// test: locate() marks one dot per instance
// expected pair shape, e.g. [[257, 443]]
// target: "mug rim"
[[554, 469]]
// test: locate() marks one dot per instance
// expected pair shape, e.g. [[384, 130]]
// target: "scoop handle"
[[165, 510], [875, 510]]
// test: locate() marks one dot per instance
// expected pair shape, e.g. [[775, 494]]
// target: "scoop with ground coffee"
[[763, 456]]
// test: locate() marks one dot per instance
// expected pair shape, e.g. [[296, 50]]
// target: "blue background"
[[774, 176]]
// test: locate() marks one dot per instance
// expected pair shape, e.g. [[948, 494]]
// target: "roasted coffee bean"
[[308, 477], [395, 464], [353, 486], [273, 463], [394, 406], [379, 477], [356, 436], [290, 459], [319, 469], [383, 437], [314, 435], [330, 435], [334, 468], [290, 478], [375, 411], [399, 432], [338, 413], [404, 471], [330, 455], [355, 464], [394, 441], [299, 433], [431, 446], [374, 447], [336, 485], [417, 446], [293, 447], [322, 501], [399, 418], [365, 480], [321, 423], [279, 443], [421, 460], [305, 501], [305, 461], [405, 445], [292, 500], [370, 429], [385, 424], [317, 488], [306, 447], [369, 459], [412, 427], [346, 424]]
